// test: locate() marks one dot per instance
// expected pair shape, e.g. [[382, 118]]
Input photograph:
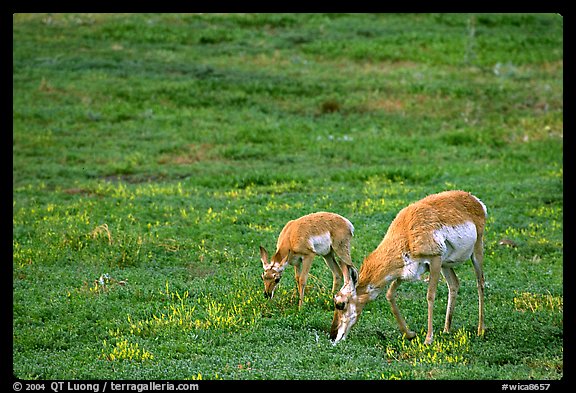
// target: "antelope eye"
[[277, 280], [339, 305]]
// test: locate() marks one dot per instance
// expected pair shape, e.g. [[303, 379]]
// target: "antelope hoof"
[[428, 340], [409, 335]]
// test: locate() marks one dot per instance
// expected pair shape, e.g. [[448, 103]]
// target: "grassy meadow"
[[154, 153]]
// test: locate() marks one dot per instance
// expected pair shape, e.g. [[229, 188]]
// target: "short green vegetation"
[[154, 153]]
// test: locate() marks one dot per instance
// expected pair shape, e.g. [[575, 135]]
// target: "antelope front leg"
[[304, 270], [297, 268], [391, 296], [435, 266]]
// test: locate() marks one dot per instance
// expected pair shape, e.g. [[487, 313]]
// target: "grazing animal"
[[322, 233], [436, 234]]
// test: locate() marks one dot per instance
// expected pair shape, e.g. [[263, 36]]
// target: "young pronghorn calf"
[[436, 233], [324, 234]]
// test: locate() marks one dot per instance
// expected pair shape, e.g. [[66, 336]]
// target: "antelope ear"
[[351, 278], [284, 262], [264, 258], [353, 275]]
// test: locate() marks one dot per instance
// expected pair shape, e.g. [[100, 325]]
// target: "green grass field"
[[153, 154]]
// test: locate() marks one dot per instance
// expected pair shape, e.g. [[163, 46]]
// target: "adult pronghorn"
[[322, 233], [436, 234]]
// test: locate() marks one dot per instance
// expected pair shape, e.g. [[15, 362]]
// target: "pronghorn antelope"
[[322, 233], [436, 233]]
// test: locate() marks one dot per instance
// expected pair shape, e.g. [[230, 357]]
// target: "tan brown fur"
[[411, 235], [412, 230], [294, 247]]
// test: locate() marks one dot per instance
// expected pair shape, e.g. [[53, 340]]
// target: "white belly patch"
[[321, 244], [413, 267], [457, 242]]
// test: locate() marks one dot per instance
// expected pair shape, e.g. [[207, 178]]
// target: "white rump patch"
[[321, 244], [457, 242]]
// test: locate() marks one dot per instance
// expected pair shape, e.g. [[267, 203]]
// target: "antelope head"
[[272, 273], [346, 309]]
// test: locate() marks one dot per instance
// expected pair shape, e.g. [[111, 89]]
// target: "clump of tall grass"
[[534, 302], [445, 349]]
